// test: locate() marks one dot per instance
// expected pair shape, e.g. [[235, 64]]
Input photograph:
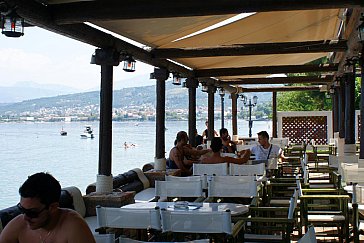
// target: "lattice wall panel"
[[305, 128], [359, 127]]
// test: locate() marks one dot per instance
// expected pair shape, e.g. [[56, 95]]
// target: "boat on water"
[[87, 133], [63, 132]]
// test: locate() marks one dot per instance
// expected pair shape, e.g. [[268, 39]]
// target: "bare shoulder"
[[75, 226], [16, 227]]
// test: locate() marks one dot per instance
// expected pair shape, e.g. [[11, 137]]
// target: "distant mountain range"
[[176, 98], [30, 90]]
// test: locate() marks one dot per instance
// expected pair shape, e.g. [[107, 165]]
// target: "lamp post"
[[222, 95], [250, 104]]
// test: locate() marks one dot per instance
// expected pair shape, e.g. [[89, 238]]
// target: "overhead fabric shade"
[[159, 31]]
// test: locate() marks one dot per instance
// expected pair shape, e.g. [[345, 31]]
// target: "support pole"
[[350, 147], [161, 76], [335, 110], [106, 58], [342, 109], [350, 111], [274, 115], [234, 111], [105, 139], [222, 111], [211, 114], [192, 85]]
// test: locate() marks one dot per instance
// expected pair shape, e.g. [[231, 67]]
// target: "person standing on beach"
[[42, 220]]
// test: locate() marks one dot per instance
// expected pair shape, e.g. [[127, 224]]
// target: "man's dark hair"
[[222, 131], [264, 134], [43, 186], [181, 135], [216, 144]]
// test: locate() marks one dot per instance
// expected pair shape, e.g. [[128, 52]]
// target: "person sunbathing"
[[216, 146]]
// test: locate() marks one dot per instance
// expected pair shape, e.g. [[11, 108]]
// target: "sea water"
[[27, 148]]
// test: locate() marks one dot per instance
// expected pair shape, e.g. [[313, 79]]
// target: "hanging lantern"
[[129, 64], [255, 100], [361, 29], [12, 25], [244, 99], [176, 79]]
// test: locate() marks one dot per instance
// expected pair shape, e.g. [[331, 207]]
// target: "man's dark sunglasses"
[[30, 213]]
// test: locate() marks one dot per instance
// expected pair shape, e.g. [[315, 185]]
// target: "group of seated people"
[[183, 155]]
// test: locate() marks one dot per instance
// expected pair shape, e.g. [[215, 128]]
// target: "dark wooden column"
[[335, 110], [350, 109], [161, 76], [274, 115], [106, 58], [192, 85], [361, 62], [105, 140], [211, 109], [342, 109], [234, 111]]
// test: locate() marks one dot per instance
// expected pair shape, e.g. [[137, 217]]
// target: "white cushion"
[[78, 202]]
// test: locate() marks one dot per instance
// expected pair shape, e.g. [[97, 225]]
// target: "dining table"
[[235, 208]]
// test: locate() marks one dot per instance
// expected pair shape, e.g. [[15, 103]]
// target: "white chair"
[[210, 169], [309, 237], [247, 170], [201, 178], [232, 186], [168, 189], [128, 240], [281, 142], [200, 222], [104, 238], [128, 218]]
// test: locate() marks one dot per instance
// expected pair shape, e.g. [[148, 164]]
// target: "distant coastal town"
[[131, 113]]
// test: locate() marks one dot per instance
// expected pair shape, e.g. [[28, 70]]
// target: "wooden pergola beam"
[[39, 15], [280, 89], [279, 80], [350, 34], [253, 49], [87, 11], [264, 70]]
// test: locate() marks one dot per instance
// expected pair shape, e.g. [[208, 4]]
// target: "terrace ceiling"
[[277, 36]]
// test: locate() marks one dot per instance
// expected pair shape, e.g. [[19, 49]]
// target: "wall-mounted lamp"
[[332, 89], [184, 84], [12, 25], [361, 29], [222, 92], [129, 64], [176, 79], [348, 66]]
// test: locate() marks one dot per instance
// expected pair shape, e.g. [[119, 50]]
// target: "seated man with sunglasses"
[[42, 220]]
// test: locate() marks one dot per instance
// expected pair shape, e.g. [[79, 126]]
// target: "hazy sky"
[[44, 57]]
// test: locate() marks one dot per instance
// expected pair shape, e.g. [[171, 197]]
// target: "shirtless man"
[[183, 155], [216, 146], [228, 146], [42, 220]]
